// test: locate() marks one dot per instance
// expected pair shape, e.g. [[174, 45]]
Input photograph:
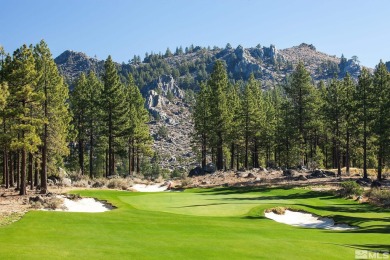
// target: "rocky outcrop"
[[71, 64], [164, 101]]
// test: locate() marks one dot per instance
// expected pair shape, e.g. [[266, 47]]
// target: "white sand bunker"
[[150, 188], [89, 205], [85, 205], [307, 220]]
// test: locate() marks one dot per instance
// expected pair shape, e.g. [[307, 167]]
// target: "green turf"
[[196, 224]]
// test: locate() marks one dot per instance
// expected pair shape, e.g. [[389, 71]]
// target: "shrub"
[[176, 173], [349, 189], [186, 182], [53, 203], [379, 197], [277, 210], [99, 183], [163, 132], [118, 184]]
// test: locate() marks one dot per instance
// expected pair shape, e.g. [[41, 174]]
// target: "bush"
[[379, 197], [163, 132], [99, 183], [277, 210], [118, 184], [176, 173], [186, 182], [350, 189]]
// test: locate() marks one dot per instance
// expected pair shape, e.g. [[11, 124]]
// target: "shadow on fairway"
[[373, 247], [293, 196]]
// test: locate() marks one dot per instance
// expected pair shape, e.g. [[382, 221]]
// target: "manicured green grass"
[[221, 223]]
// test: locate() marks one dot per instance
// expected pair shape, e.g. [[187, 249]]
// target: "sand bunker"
[[150, 188], [307, 220], [89, 205]]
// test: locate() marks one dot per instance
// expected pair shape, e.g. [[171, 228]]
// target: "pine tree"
[[79, 105], [201, 117], [381, 82], [302, 96], [55, 113], [234, 132], [138, 137], [24, 98], [333, 111], [218, 84], [93, 116], [115, 109], [347, 101], [363, 98]]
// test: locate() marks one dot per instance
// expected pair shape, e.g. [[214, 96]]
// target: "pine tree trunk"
[[246, 151], [232, 156], [81, 155], [238, 158], [5, 167], [380, 162], [138, 165], [129, 156], [107, 159], [204, 150], [110, 146], [23, 172], [17, 176], [113, 164], [91, 151], [11, 170], [30, 170], [44, 148], [36, 172], [365, 174], [133, 158], [347, 162], [220, 152], [256, 156], [338, 152]]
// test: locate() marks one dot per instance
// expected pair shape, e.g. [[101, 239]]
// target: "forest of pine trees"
[[334, 124], [99, 128]]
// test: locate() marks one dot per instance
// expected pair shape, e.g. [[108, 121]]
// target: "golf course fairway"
[[220, 223]]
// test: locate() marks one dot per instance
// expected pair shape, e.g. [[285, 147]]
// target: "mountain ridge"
[[268, 64]]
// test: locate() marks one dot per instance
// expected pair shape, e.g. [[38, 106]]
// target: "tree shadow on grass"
[[237, 190], [292, 196], [373, 247]]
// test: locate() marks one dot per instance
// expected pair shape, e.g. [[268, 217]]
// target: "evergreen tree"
[[22, 81], [234, 132], [79, 105], [93, 115], [381, 127], [201, 117], [364, 97], [218, 85], [55, 112], [138, 137], [301, 94], [333, 111], [115, 116], [347, 101]]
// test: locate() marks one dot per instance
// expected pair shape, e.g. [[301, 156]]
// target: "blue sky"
[[127, 28]]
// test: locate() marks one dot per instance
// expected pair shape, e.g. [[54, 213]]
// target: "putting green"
[[199, 204], [208, 224]]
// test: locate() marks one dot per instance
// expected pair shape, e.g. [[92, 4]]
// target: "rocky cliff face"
[[164, 100]]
